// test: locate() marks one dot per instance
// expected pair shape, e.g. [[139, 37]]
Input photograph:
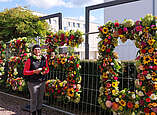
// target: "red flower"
[[149, 93], [147, 99], [77, 65], [130, 105], [120, 31], [146, 110], [108, 50], [144, 72], [143, 51], [116, 24], [155, 67], [77, 90], [72, 37], [59, 91]]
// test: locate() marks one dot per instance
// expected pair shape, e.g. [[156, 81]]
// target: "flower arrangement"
[[2, 61], [68, 89], [61, 38], [144, 98], [19, 48]]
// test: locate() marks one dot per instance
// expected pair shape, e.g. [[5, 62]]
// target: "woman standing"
[[35, 70]]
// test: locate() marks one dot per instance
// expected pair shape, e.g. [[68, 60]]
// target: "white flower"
[[133, 96], [148, 76], [140, 93], [137, 102], [153, 97], [117, 99]]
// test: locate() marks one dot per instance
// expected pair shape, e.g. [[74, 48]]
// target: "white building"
[[74, 24]]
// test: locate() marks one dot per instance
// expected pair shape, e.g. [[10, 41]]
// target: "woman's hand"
[[37, 71]]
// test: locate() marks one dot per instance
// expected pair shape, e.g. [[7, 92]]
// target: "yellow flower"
[[103, 48], [120, 108], [136, 105], [115, 84], [104, 75], [122, 102], [147, 59], [63, 60], [105, 30], [155, 61], [70, 92], [151, 42]]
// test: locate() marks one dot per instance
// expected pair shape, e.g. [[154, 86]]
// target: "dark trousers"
[[36, 90]]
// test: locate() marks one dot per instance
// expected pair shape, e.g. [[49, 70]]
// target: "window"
[[73, 24], [78, 25], [65, 28], [69, 24]]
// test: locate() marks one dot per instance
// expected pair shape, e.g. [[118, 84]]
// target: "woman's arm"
[[26, 70]]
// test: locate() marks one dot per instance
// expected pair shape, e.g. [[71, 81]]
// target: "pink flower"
[[108, 85], [139, 28], [108, 104], [125, 29], [116, 78]]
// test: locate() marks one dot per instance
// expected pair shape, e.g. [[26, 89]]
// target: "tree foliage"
[[20, 22]]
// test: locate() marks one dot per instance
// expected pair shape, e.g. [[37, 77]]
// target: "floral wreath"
[[70, 88], [144, 98], [2, 61], [16, 63]]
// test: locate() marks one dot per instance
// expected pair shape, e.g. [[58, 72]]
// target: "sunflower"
[[105, 30], [151, 50], [122, 102], [147, 59], [70, 92], [62, 60], [155, 61], [103, 48], [151, 42], [115, 84]]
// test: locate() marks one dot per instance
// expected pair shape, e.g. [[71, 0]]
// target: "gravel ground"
[[10, 105]]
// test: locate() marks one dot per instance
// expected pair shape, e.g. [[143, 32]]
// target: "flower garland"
[[2, 61], [61, 38], [16, 63], [144, 98], [68, 89]]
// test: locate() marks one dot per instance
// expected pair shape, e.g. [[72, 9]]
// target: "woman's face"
[[37, 51]]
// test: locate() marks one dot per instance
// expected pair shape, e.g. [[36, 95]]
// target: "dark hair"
[[36, 46]]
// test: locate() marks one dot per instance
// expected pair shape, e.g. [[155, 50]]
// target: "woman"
[[35, 70]]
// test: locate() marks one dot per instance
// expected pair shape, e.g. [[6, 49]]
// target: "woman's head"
[[36, 50]]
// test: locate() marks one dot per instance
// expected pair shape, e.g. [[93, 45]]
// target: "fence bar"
[[94, 7], [59, 15]]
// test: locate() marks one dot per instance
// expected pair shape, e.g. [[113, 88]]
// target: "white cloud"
[[46, 3], [92, 18], [5, 0], [65, 3], [85, 2]]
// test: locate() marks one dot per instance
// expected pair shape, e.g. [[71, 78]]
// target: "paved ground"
[[13, 106]]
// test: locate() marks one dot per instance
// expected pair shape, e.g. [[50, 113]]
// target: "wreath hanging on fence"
[[69, 89], [144, 98], [19, 49], [2, 62]]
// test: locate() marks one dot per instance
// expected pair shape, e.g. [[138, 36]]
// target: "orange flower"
[[151, 50], [115, 106], [152, 113], [130, 105], [151, 42]]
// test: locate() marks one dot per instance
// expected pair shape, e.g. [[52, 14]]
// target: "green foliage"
[[20, 22]]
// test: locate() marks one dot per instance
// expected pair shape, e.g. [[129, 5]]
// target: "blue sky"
[[69, 8]]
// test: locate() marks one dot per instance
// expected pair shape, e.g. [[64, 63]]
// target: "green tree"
[[20, 22]]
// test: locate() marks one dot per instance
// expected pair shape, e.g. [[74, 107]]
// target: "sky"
[[68, 8]]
